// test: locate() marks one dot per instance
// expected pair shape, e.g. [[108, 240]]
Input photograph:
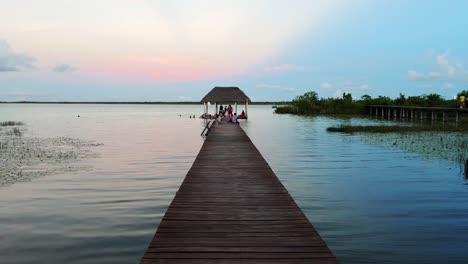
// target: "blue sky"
[[141, 50]]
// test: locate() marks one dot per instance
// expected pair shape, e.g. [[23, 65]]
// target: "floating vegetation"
[[11, 123], [23, 158], [440, 141], [17, 132], [448, 146], [395, 129]]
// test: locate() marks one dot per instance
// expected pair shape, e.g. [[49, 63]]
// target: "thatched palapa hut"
[[226, 95]]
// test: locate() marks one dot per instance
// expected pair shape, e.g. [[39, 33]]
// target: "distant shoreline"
[[143, 103]]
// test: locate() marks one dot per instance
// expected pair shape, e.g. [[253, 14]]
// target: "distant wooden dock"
[[412, 112], [231, 208]]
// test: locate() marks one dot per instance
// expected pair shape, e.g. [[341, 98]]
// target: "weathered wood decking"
[[231, 208]]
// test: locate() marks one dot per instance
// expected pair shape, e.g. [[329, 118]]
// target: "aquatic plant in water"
[[11, 123], [23, 158], [17, 132], [396, 128], [443, 145]]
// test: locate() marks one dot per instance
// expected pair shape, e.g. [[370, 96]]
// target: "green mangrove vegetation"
[[11, 123], [310, 103], [440, 140]]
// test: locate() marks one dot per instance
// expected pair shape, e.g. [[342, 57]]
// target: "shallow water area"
[[371, 202]]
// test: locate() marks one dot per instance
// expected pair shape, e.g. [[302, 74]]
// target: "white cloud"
[[448, 86], [326, 85], [339, 93], [353, 85], [350, 85], [275, 87], [442, 60], [414, 76], [281, 68], [365, 87], [447, 70], [347, 87], [425, 86], [431, 76], [62, 68], [11, 61], [435, 76], [451, 72]]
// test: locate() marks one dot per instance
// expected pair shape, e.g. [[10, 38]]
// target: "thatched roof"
[[226, 95]]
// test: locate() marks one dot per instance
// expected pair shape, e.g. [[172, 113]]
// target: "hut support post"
[[444, 116], [457, 117], [235, 107], [246, 115]]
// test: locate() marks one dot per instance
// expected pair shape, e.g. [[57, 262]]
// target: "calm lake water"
[[370, 202]]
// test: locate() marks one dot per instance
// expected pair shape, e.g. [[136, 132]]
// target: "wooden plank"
[[236, 249], [235, 243], [238, 261], [231, 208], [244, 255]]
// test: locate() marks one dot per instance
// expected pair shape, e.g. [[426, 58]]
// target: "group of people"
[[232, 117]]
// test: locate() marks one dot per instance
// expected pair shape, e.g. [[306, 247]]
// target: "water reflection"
[[107, 214], [370, 202]]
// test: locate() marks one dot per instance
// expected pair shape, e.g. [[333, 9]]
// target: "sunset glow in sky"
[[154, 50]]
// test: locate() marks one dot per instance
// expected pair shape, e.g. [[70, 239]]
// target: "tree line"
[[310, 103]]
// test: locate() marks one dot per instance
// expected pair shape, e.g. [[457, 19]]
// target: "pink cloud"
[[167, 69]]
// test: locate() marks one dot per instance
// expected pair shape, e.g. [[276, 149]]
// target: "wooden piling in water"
[[412, 112]]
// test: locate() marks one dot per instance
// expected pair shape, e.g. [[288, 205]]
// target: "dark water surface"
[[371, 203]]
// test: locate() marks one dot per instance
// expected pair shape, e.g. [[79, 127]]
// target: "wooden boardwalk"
[[231, 208]]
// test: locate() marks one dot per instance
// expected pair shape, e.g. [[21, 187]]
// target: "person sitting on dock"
[[242, 115], [221, 110], [234, 119], [462, 101]]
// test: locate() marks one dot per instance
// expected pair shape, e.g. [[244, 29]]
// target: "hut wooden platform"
[[231, 208]]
